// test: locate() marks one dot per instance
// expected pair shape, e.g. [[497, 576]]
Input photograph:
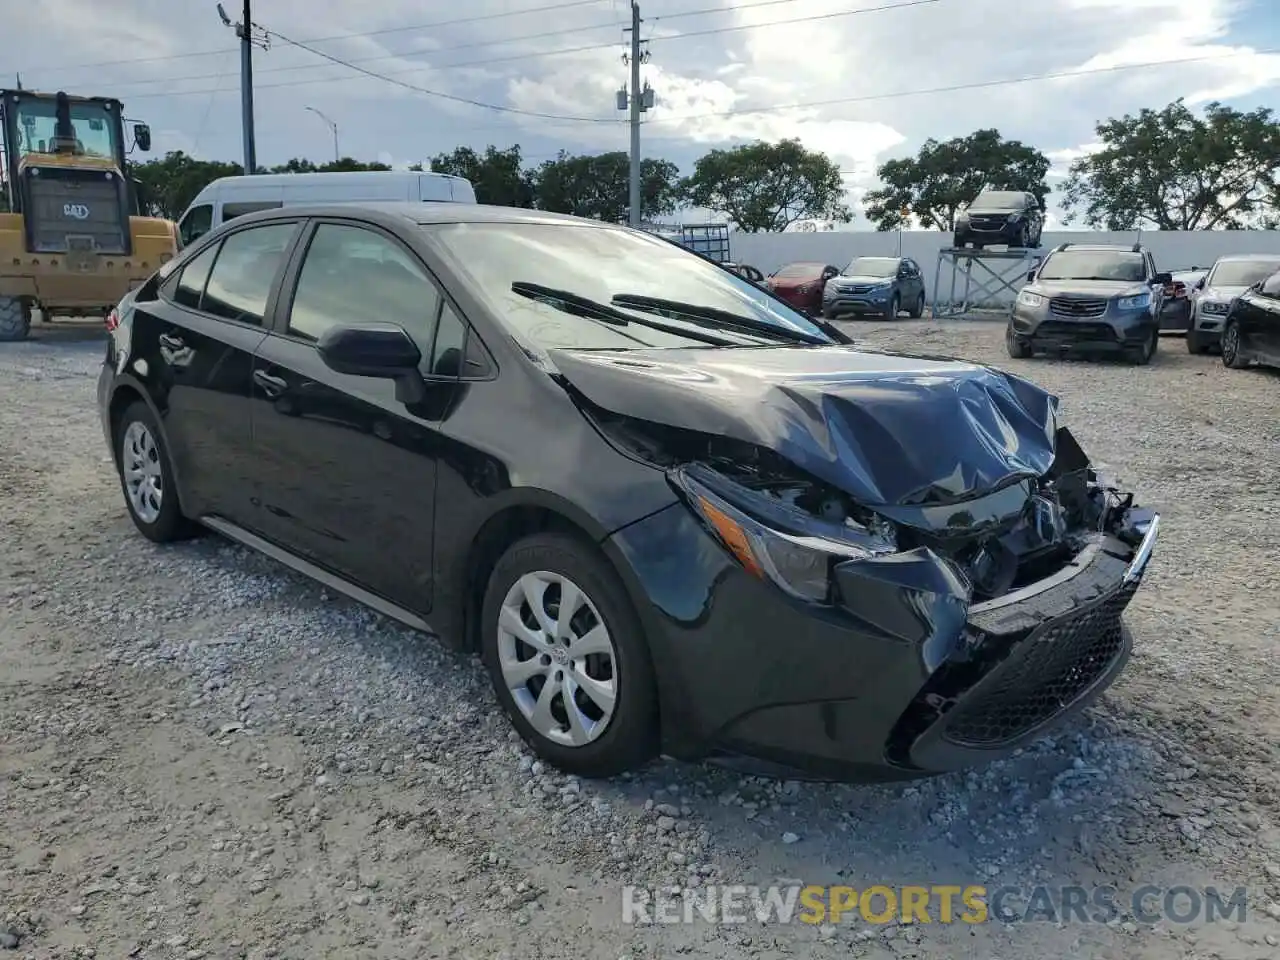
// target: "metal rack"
[[978, 277]]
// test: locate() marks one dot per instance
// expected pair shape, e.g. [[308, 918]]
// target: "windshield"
[[798, 270], [872, 267], [94, 126], [1119, 265], [1241, 273], [998, 200], [599, 264]]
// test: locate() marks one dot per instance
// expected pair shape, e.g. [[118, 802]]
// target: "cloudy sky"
[[863, 80]]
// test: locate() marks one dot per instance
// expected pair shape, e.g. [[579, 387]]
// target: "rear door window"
[[245, 272], [191, 281]]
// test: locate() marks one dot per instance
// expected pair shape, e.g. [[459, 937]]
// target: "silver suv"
[[1213, 295]]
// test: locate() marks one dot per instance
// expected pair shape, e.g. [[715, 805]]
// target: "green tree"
[[1172, 170], [765, 186], [496, 174], [598, 186], [945, 175], [344, 165], [168, 185]]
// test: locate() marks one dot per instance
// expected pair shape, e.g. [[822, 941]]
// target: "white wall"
[[1173, 250]]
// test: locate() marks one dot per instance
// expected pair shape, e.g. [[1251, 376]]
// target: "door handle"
[[271, 386], [170, 342]]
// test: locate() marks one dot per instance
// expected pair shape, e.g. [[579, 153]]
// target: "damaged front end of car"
[[1009, 598]]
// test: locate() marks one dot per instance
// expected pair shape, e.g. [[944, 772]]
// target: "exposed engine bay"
[[1003, 540]]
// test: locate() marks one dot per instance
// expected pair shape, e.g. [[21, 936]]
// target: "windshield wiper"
[[580, 306], [721, 318]]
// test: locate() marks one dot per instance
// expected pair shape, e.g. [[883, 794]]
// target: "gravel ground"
[[204, 755]]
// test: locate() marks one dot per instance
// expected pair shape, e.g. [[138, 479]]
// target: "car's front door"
[[196, 343], [1261, 326], [348, 471]]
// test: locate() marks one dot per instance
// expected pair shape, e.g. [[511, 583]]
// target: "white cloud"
[[862, 68]]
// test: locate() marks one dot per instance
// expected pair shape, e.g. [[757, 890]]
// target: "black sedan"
[[1251, 331], [672, 514]]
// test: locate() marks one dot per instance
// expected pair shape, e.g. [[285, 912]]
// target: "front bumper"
[[901, 679], [1111, 330], [1208, 326], [858, 299]]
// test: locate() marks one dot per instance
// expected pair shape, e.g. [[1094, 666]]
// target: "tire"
[[958, 241], [1147, 352], [138, 441], [894, 308], [1017, 349], [1195, 343], [1024, 237], [1233, 356], [828, 314], [628, 738], [917, 311], [15, 319]]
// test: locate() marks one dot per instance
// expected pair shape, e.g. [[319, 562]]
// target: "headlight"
[[799, 561], [1140, 302], [1028, 299], [1216, 307]]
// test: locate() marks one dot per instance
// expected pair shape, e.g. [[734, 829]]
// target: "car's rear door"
[[347, 471], [196, 343]]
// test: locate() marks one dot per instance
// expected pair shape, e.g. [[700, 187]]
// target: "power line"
[[956, 87], [342, 36], [408, 54], [437, 93], [538, 55]]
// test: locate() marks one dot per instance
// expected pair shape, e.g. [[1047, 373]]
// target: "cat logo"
[[77, 211]]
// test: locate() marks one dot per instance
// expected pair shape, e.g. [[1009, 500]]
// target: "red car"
[[800, 284]]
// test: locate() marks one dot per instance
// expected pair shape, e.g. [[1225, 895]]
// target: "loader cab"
[[66, 172]]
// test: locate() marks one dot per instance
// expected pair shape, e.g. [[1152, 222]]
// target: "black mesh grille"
[[1049, 672], [81, 204]]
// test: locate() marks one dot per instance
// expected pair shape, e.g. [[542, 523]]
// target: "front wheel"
[[1233, 355], [568, 659], [895, 307], [1195, 343], [15, 319], [917, 311], [1017, 349], [1024, 237], [1144, 354]]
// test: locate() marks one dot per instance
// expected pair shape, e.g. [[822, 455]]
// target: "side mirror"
[[382, 350], [142, 137], [1200, 283], [1162, 279], [1031, 276]]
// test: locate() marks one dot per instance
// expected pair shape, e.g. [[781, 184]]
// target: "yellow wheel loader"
[[71, 242]]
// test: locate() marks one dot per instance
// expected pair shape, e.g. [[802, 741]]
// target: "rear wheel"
[[15, 319], [146, 477], [1233, 355], [567, 657]]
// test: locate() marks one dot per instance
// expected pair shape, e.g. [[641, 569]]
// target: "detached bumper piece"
[[1027, 663]]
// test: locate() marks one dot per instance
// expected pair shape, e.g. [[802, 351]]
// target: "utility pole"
[[637, 101], [244, 30], [332, 126]]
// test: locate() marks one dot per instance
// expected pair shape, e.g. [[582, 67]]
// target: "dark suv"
[[1011, 217], [1090, 297], [882, 286]]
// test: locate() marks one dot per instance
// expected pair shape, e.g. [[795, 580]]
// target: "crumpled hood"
[[886, 429]]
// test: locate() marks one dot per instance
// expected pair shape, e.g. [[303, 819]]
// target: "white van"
[[231, 197]]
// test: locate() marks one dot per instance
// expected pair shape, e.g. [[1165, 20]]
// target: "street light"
[[332, 126]]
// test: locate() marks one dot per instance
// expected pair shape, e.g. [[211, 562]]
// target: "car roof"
[[1248, 256], [423, 213], [1117, 247]]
